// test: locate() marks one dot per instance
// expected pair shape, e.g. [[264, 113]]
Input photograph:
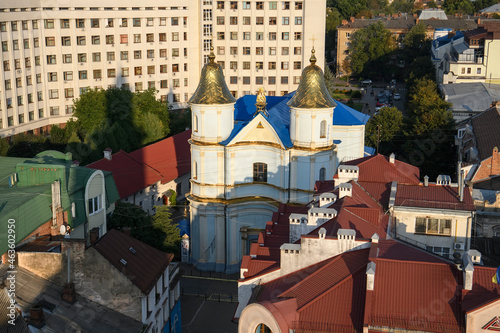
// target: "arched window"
[[260, 172], [195, 123], [194, 172], [262, 328], [322, 129], [322, 173]]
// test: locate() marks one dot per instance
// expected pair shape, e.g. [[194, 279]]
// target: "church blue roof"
[[279, 116]]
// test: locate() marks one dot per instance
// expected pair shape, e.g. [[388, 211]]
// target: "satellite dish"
[[63, 230]]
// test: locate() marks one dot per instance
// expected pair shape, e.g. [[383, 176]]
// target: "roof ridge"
[[333, 260], [364, 190], [326, 292]]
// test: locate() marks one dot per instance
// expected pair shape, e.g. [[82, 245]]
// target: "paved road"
[[371, 99], [208, 302]]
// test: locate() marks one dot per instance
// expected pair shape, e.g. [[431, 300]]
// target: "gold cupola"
[[212, 88], [312, 92]]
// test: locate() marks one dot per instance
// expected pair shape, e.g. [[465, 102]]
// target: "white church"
[[251, 154]]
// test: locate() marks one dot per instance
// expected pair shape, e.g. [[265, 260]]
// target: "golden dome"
[[212, 88], [312, 92]]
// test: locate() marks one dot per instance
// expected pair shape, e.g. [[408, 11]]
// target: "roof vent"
[[443, 180], [123, 261], [108, 152], [426, 181], [132, 250]]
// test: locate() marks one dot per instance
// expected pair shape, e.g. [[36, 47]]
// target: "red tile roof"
[[377, 168], [483, 290], [416, 296], [143, 268], [162, 161], [391, 249], [433, 196]]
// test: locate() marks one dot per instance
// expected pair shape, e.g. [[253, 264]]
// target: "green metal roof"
[[28, 201]]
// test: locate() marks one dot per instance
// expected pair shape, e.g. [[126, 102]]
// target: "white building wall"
[[177, 87], [461, 224], [352, 142]]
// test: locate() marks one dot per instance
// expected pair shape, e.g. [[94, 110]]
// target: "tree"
[[328, 76], [347, 8], [390, 120], [416, 42], [402, 6], [157, 231], [333, 19], [180, 120], [452, 7], [369, 49], [346, 68], [430, 130], [163, 222], [91, 109]]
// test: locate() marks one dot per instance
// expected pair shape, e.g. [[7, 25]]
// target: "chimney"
[[344, 22], [478, 20], [461, 185], [495, 162], [36, 317], [126, 230], [426, 181], [94, 236], [352, 19], [468, 272], [76, 163], [391, 158], [417, 20], [370, 276], [345, 189], [107, 153]]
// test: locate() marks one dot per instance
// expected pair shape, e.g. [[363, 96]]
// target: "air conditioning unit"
[[459, 246]]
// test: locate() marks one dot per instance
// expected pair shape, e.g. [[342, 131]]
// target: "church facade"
[[249, 155]]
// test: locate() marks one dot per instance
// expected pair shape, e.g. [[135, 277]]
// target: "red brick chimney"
[[344, 22], [478, 20], [352, 19]]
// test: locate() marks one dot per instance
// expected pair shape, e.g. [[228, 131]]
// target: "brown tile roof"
[[162, 161], [143, 268], [433, 196], [406, 23], [417, 296], [486, 131], [377, 168]]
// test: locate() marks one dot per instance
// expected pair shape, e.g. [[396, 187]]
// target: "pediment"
[[258, 130]]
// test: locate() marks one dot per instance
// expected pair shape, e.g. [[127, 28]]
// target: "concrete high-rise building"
[[53, 51]]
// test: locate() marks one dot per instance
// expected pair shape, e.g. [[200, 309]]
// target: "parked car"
[[397, 97], [377, 109], [367, 81]]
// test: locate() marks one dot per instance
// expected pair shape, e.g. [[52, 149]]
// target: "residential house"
[[149, 176], [49, 195], [473, 59], [380, 286], [117, 271], [40, 308], [477, 142], [399, 26], [491, 11], [435, 216]]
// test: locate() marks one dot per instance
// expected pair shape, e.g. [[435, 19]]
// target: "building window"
[[96, 56], [68, 76], [285, 35], [442, 251], [259, 51], [259, 5], [246, 20], [273, 5], [94, 23], [284, 51], [137, 38], [246, 35], [322, 131], [479, 71], [94, 205], [96, 40], [123, 39], [297, 35], [68, 93], [51, 59], [298, 5], [52, 77], [286, 5], [66, 41], [246, 79], [285, 20], [246, 64], [298, 20], [425, 225], [48, 24], [50, 41], [271, 80], [260, 172], [136, 22], [80, 40], [246, 5]]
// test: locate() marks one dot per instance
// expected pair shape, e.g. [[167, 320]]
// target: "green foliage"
[[91, 109], [173, 198], [369, 50], [4, 147], [328, 77], [348, 8], [402, 6], [333, 19], [420, 68], [452, 7], [481, 4], [180, 120], [157, 231], [57, 135], [163, 223], [356, 94], [390, 120], [432, 4], [416, 43]]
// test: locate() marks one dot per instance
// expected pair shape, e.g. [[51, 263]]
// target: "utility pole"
[[378, 135]]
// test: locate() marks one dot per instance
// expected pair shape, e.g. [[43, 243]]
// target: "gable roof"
[[143, 268], [433, 196], [161, 161], [485, 126], [378, 168]]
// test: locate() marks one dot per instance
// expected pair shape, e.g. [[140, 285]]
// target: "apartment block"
[[51, 54]]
